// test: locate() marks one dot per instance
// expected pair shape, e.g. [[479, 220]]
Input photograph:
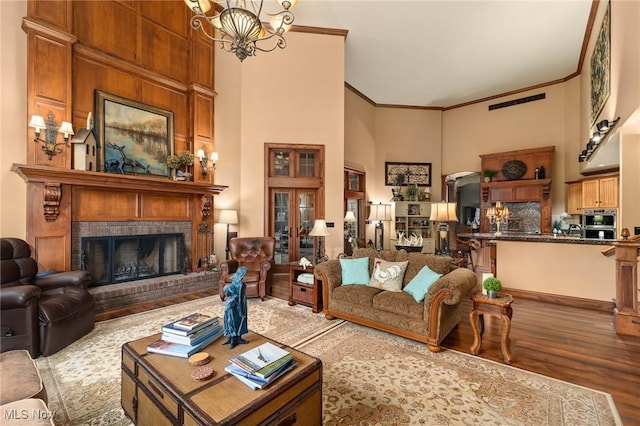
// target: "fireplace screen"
[[127, 258]]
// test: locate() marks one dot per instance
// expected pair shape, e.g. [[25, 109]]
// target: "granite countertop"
[[533, 237]]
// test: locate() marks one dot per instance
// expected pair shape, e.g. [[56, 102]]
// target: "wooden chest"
[[158, 389]]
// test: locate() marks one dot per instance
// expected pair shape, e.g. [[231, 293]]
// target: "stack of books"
[[261, 366], [188, 335]]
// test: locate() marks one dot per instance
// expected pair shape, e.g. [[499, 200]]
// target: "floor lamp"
[[320, 230], [349, 220], [443, 213], [379, 212], [228, 217]]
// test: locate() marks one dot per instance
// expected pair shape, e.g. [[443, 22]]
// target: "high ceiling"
[[443, 53]]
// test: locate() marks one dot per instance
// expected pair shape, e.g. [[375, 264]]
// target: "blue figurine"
[[235, 309]]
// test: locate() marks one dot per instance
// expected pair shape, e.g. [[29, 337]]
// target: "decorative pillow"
[[388, 275], [421, 283], [355, 271]]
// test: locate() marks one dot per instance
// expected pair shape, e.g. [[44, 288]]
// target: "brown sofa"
[[397, 311]]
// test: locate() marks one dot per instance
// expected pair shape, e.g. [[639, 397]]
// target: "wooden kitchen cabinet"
[[601, 193], [574, 198]]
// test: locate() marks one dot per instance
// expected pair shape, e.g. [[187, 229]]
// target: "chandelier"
[[240, 25]]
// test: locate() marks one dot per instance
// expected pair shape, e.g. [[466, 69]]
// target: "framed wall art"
[[133, 138], [601, 67], [403, 174]]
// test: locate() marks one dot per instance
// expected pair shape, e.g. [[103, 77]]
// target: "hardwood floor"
[[570, 344]]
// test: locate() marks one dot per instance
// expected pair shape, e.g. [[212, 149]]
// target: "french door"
[[293, 212]]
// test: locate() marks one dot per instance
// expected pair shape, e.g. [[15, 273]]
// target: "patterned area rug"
[[370, 377]]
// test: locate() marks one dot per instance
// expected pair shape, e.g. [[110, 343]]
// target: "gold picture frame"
[[133, 138]]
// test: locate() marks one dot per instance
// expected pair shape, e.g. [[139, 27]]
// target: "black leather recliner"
[[41, 313]]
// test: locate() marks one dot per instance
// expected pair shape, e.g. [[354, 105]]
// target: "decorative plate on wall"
[[514, 169]]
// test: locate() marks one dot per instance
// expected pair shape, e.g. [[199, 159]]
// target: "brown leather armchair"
[[41, 313], [256, 254]]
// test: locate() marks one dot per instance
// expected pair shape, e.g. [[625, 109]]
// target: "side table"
[[499, 307], [304, 293]]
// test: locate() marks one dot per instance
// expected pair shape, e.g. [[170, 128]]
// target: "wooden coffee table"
[[158, 389]]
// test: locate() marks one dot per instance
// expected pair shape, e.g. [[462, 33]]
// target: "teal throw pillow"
[[421, 283], [355, 271]]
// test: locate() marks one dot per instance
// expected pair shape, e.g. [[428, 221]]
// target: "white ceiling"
[[443, 53]]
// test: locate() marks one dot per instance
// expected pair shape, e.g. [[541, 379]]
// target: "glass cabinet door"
[[281, 226], [292, 216], [306, 217]]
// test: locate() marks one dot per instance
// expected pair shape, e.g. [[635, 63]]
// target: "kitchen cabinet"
[[600, 193], [574, 198], [412, 217]]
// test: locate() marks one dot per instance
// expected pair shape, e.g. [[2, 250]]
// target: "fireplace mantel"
[[58, 197], [138, 182]]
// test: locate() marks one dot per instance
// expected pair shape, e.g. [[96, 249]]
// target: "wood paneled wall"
[[141, 50]]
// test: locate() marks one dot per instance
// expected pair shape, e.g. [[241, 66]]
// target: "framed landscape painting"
[[133, 138], [403, 174]]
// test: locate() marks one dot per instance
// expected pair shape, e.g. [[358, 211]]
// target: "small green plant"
[[489, 173], [413, 191], [492, 284]]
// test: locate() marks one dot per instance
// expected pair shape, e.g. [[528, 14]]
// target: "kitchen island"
[[564, 268]]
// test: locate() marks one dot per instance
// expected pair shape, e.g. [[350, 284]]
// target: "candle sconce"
[[498, 215], [50, 141], [204, 161]]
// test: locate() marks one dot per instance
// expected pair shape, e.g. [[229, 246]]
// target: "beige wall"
[[473, 130], [13, 118], [578, 270], [293, 96], [630, 182]]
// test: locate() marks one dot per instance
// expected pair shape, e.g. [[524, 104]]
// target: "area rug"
[[370, 377], [83, 379]]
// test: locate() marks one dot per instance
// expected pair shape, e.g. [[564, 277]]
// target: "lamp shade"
[[319, 229], [350, 216], [229, 217], [380, 212], [443, 212], [37, 122]]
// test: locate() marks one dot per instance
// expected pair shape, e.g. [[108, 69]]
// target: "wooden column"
[[627, 313]]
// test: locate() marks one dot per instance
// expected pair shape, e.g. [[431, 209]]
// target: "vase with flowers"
[[177, 161]]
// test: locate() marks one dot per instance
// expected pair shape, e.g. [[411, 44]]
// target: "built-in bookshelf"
[[412, 217]]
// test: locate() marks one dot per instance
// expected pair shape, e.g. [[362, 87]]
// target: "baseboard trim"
[[576, 302]]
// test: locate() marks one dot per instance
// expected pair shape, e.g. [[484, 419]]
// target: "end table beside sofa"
[[429, 321]]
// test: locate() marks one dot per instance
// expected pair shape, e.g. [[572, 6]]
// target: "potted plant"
[[413, 192], [493, 287], [175, 162], [488, 175], [397, 191]]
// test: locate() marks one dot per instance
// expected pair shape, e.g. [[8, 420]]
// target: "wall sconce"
[[50, 142], [204, 161]]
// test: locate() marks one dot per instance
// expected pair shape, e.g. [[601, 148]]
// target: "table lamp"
[[320, 230]]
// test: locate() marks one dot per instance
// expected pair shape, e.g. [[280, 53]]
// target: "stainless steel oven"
[[599, 223]]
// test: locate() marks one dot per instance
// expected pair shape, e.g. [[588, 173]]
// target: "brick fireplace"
[[65, 205]]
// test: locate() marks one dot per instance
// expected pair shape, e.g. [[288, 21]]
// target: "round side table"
[[499, 307]]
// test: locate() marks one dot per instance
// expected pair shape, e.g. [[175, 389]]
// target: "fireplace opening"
[[118, 259]]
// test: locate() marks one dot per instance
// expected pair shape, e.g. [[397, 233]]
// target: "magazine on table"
[[256, 382], [260, 358], [194, 321], [193, 338], [180, 350]]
